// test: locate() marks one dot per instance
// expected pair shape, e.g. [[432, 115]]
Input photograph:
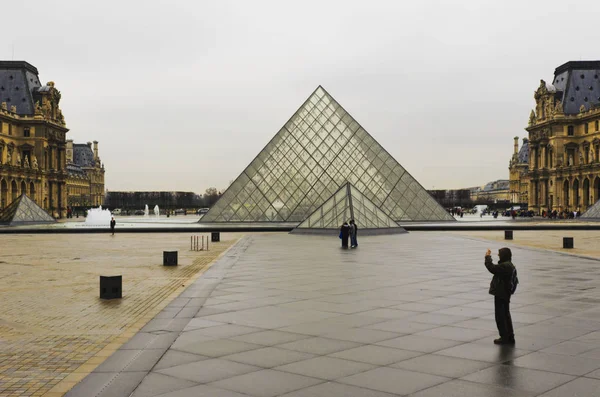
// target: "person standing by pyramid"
[[353, 233]]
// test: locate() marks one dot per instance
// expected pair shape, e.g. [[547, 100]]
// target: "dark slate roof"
[[18, 80], [83, 155], [578, 83], [524, 152], [74, 169]]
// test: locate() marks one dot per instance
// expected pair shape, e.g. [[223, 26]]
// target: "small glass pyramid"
[[593, 212], [24, 211], [320, 148], [346, 204]]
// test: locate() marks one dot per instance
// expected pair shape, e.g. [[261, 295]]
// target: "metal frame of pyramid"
[[320, 148], [24, 211], [346, 204], [592, 213]]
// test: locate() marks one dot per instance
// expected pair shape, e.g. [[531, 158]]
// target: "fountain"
[[146, 211], [98, 217], [156, 211]]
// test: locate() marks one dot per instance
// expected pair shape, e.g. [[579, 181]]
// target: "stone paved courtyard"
[[54, 329], [405, 315]]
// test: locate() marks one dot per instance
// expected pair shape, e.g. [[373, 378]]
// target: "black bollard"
[[508, 234], [111, 287], [169, 258], [215, 237], [568, 242]]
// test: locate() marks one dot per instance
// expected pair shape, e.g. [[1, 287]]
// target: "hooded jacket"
[[500, 285]]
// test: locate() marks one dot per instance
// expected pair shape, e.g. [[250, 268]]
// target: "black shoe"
[[501, 341]]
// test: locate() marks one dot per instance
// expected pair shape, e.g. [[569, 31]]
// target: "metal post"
[[191, 243]]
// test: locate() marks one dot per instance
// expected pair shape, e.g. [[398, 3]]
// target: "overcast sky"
[[182, 95]]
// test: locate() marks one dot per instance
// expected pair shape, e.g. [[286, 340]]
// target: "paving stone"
[[268, 357], [558, 363], [580, 387], [392, 380], [450, 367], [377, 355], [155, 384], [460, 388], [173, 358], [418, 343], [318, 345], [333, 389], [519, 378], [270, 337], [208, 370], [266, 383], [328, 368]]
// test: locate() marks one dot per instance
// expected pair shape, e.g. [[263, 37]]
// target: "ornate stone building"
[[32, 139], [562, 168], [85, 182]]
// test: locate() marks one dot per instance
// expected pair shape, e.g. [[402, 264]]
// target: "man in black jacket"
[[501, 288]]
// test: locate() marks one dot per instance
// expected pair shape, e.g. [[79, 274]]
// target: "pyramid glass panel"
[[319, 149], [345, 204], [593, 212], [24, 211]]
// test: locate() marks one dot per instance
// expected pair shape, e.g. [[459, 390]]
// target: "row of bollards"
[[197, 243], [111, 287], [567, 241]]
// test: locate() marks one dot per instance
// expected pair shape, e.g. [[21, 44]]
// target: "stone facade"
[[32, 139], [85, 182], [561, 170]]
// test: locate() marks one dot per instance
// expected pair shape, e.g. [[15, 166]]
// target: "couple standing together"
[[349, 230]]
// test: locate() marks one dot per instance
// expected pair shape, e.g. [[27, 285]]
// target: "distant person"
[[353, 234], [112, 225], [344, 233], [503, 285]]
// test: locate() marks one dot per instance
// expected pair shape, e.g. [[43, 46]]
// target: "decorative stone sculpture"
[[591, 154], [8, 158], [34, 162], [4, 106], [558, 108], [532, 117], [13, 109], [580, 158], [570, 160], [18, 160], [582, 109], [26, 162]]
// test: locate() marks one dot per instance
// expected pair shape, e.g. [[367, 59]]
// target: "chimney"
[[516, 145], [95, 150], [69, 151]]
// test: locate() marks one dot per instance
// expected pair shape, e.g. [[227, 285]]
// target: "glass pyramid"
[[24, 211], [593, 212], [346, 204], [320, 148]]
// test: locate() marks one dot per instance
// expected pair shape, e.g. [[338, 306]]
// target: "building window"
[[26, 132], [10, 129], [570, 130], [586, 128], [597, 125]]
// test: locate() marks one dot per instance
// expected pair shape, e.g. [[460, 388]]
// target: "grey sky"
[[182, 95]]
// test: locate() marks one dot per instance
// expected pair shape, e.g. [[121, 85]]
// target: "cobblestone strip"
[[54, 330]]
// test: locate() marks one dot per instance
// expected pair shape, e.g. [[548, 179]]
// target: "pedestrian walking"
[[353, 234], [503, 285], [112, 225], [344, 233]]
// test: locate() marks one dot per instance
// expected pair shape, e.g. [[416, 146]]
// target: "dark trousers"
[[345, 241], [353, 241], [503, 319]]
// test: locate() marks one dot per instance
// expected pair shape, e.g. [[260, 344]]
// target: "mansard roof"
[[83, 155], [18, 81], [578, 84]]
